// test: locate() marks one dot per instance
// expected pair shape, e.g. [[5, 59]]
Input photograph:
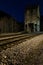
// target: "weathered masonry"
[[32, 19]]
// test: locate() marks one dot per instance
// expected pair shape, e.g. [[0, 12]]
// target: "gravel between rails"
[[29, 52]]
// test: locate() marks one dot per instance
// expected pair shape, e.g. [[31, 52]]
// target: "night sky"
[[16, 7]]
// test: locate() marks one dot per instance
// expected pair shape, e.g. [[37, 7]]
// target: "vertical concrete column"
[[34, 21], [25, 25], [34, 27], [38, 28], [38, 12], [38, 25], [38, 19], [28, 29]]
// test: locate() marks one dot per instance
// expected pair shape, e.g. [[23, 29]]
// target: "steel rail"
[[10, 39], [14, 40]]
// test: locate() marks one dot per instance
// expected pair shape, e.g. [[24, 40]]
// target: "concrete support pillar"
[[27, 28], [38, 19], [34, 27], [38, 26], [24, 27]]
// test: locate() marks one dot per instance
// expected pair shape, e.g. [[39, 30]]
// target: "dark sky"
[[16, 7]]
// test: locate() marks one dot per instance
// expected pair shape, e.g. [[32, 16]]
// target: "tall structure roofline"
[[4, 14], [31, 6]]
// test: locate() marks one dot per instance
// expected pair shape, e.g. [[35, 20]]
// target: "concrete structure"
[[32, 19], [8, 24]]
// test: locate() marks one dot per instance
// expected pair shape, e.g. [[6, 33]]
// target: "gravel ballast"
[[29, 52]]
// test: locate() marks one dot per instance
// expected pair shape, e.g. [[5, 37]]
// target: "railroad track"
[[11, 39]]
